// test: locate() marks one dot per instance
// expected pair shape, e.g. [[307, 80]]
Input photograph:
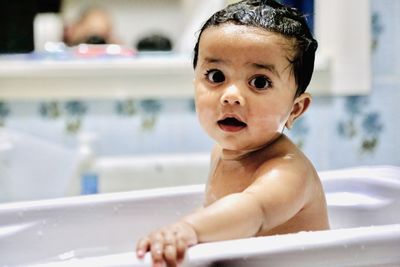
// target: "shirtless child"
[[253, 61]]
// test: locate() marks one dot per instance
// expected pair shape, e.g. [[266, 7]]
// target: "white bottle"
[[86, 179], [48, 29]]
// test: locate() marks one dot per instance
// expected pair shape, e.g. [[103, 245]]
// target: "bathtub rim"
[[102, 198], [359, 240], [365, 174]]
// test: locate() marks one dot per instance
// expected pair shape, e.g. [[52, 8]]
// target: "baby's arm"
[[275, 196]]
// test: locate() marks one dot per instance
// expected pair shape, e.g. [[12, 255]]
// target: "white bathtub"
[[101, 230], [118, 174]]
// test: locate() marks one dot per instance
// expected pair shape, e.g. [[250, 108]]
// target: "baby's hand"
[[168, 244]]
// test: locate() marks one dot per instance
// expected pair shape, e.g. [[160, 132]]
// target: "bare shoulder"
[[285, 159], [291, 173], [292, 181]]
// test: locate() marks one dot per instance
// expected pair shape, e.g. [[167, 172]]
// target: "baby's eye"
[[260, 82], [215, 76]]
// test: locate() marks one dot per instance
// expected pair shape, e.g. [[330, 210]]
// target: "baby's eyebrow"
[[213, 60], [269, 67]]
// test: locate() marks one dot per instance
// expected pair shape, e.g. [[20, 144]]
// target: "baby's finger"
[[181, 246], [170, 255], [142, 247], [170, 248], [156, 249], [180, 250]]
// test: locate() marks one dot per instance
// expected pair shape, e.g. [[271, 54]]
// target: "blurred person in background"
[[94, 26]]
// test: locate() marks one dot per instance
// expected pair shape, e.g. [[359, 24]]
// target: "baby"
[[253, 61]]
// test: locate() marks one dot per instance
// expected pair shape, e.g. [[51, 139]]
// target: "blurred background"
[[96, 96]]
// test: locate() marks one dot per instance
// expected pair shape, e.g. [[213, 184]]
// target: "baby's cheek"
[[204, 103], [205, 116], [269, 123]]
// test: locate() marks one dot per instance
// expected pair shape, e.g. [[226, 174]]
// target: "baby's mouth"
[[231, 124]]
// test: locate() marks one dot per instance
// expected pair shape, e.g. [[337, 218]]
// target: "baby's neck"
[[235, 155]]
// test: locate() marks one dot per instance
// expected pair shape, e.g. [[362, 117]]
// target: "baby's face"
[[244, 87]]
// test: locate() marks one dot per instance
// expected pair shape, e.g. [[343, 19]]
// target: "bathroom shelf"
[[142, 77], [76, 79]]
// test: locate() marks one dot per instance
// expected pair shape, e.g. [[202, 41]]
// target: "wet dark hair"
[[275, 17]]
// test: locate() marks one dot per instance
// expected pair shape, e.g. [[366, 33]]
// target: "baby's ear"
[[300, 105]]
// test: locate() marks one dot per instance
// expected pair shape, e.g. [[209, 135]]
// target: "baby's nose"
[[232, 96]]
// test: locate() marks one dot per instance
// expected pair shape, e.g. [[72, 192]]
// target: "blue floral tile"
[[50, 110], [372, 124], [377, 29], [360, 123], [75, 111], [151, 109], [76, 108], [4, 112], [151, 106], [126, 107], [355, 104], [192, 106]]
